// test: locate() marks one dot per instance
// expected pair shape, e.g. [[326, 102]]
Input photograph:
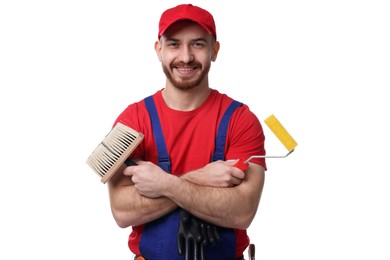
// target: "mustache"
[[181, 64]]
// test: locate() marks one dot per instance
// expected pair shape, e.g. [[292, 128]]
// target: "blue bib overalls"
[[159, 237]]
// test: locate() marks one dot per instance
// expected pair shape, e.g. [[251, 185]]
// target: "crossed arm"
[[218, 193]]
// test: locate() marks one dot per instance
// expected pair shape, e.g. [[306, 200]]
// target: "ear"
[[157, 48], [215, 51]]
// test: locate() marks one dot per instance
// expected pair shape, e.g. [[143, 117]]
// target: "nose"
[[186, 54]]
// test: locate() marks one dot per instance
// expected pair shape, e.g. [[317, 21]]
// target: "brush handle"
[[241, 164], [129, 162]]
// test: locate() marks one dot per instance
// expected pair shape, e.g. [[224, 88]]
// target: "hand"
[[196, 234], [148, 178], [221, 174]]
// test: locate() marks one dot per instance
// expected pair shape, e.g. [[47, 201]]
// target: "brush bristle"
[[281, 133], [115, 148]]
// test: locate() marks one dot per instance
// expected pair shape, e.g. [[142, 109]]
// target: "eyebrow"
[[193, 40], [199, 39]]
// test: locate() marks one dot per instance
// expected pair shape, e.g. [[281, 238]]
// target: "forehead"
[[186, 28]]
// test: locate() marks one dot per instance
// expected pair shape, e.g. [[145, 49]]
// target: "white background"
[[68, 68]]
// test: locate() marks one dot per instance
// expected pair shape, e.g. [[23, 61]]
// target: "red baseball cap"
[[187, 12]]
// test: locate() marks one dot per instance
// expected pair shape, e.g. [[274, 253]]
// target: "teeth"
[[185, 69]]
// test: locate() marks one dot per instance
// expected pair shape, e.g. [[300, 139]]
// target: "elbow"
[[120, 209], [247, 215], [244, 221], [121, 219], [121, 224]]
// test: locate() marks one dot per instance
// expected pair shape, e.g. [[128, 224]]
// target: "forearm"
[[218, 193], [129, 208], [233, 207], [139, 209]]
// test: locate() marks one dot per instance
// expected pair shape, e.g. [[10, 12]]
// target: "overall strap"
[[219, 151], [163, 157]]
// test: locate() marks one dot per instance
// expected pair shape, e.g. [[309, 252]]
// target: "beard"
[[186, 82]]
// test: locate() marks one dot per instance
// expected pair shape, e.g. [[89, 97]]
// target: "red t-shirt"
[[190, 140]]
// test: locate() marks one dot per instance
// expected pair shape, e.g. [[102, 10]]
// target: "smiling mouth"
[[186, 67], [186, 70]]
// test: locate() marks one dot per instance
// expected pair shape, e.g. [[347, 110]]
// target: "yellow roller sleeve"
[[281, 133]]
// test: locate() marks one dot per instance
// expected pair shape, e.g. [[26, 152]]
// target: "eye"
[[198, 44], [172, 44]]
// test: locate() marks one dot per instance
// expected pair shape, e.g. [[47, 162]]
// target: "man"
[[185, 165]]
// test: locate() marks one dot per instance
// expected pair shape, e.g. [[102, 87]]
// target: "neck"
[[185, 100]]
